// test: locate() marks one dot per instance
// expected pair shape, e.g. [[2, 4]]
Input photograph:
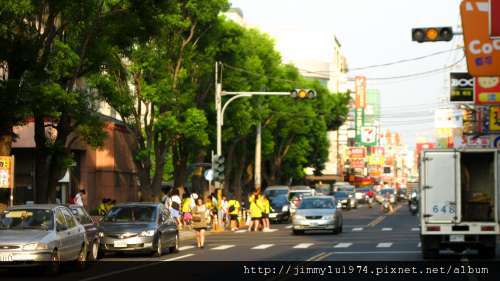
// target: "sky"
[[371, 32]]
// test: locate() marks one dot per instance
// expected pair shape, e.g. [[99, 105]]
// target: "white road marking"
[[223, 247], [378, 252], [316, 256], [357, 229], [262, 247], [415, 229], [241, 231], [387, 229], [186, 248], [288, 226], [376, 221], [303, 245], [102, 276], [324, 256], [343, 245], [384, 245], [272, 230], [178, 258]]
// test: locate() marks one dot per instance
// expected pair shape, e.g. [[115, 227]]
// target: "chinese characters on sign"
[[360, 84], [6, 172]]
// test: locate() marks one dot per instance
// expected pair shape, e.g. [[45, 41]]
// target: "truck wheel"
[[430, 247]]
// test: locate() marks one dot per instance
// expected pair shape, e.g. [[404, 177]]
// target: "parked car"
[[41, 235], [345, 199], [280, 208], [317, 213], [272, 191], [91, 230], [139, 227]]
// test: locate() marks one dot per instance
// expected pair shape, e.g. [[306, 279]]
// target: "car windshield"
[[384, 191], [276, 192], [317, 203], [340, 194], [131, 214], [278, 201], [345, 188], [298, 193], [27, 219]]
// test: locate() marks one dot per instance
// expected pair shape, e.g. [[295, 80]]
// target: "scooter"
[[370, 202], [413, 208]]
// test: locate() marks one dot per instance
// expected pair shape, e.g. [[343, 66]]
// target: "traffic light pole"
[[221, 108]]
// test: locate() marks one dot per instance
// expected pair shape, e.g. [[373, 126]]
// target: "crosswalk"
[[337, 245], [352, 229]]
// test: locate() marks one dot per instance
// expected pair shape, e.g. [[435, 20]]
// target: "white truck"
[[459, 197]]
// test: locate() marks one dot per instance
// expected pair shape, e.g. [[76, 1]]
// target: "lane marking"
[[316, 256], [262, 247], [101, 276], [186, 248], [376, 221], [415, 229], [222, 247], [272, 230], [378, 252], [343, 245], [384, 245], [303, 245], [357, 229], [324, 256], [387, 229], [241, 231], [178, 258]]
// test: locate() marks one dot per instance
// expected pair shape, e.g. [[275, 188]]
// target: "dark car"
[[280, 208], [139, 227], [91, 230], [344, 199]]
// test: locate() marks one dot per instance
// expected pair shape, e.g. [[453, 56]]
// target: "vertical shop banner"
[[487, 90], [480, 22], [368, 136], [462, 88], [494, 120], [360, 88], [494, 18], [6, 172]]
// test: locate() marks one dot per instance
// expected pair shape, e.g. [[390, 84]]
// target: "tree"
[[50, 47]]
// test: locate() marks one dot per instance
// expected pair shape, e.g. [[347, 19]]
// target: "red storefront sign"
[[357, 152]]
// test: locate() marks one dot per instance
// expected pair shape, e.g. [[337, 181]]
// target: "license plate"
[[457, 238], [273, 215], [120, 244], [313, 223], [5, 258]]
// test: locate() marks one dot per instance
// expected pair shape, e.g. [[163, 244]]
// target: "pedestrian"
[[222, 212], [266, 209], [233, 210], [80, 197], [175, 206], [165, 199], [255, 211], [102, 208], [186, 209], [200, 217]]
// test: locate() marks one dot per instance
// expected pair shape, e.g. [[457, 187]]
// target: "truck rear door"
[[440, 186]]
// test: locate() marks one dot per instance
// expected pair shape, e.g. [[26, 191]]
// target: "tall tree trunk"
[[41, 161], [180, 159]]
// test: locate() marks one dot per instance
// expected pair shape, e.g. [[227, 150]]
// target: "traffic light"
[[303, 94], [218, 168], [432, 34]]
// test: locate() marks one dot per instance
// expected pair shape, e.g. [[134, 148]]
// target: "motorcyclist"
[[413, 200], [387, 199]]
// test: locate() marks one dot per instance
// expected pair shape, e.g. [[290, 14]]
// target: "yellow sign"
[[495, 118], [6, 172]]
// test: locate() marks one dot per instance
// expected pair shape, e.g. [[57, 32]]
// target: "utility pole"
[[258, 150], [221, 108]]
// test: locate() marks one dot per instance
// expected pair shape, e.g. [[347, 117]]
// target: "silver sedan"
[[31, 234], [317, 213]]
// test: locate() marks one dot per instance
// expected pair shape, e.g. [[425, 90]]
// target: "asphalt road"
[[368, 235]]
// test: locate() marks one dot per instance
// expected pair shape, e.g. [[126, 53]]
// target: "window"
[[82, 215], [70, 220], [60, 221]]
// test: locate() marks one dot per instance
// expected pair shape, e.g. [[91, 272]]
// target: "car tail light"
[[487, 228], [434, 228]]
